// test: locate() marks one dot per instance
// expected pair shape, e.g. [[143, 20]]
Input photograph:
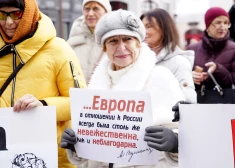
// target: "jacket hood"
[[29, 47], [79, 32], [163, 55]]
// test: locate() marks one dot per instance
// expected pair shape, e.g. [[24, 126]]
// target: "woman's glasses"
[[14, 15], [221, 24]]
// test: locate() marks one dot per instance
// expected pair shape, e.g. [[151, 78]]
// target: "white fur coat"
[[83, 43], [142, 75]]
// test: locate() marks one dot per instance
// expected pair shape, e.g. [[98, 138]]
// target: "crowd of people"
[[110, 50]]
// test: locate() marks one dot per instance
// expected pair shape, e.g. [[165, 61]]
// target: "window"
[[148, 5]]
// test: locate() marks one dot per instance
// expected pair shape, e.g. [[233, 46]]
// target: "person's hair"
[[138, 45], [170, 35], [12, 3]]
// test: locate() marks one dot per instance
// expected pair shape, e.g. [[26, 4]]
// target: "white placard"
[[110, 126], [31, 138], [206, 136]]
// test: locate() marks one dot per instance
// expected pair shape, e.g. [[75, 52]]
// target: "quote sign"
[[207, 136], [112, 125]]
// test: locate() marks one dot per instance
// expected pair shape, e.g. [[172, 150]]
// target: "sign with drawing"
[[114, 122], [207, 136], [3, 136], [28, 138]]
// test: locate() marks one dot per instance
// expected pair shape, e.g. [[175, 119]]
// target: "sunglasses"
[[14, 15]]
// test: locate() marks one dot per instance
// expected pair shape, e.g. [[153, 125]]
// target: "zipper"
[[15, 53], [76, 84], [14, 79]]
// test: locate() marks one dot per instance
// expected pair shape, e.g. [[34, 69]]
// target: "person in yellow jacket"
[[28, 43]]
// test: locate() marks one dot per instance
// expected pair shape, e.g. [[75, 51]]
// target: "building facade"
[[64, 12]]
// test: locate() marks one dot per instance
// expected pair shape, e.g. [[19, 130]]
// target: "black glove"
[[175, 109], [161, 138], [68, 139]]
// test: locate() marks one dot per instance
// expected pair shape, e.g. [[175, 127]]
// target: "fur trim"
[[79, 32]]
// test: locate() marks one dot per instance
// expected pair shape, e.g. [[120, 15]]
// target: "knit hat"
[[212, 13], [119, 22], [104, 3]]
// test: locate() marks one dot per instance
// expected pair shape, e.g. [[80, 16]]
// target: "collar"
[[214, 45]]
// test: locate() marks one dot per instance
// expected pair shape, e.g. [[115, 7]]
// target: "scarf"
[[214, 45], [27, 25]]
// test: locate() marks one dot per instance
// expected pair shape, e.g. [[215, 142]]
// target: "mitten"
[[68, 139], [161, 139], [175, 109]]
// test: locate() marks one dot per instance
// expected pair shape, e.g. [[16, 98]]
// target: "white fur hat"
[[104, 3], [119, 22]]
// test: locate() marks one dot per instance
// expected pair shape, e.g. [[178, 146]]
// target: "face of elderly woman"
[[218, 27], [9, 20], [122, 50], [93, 11]]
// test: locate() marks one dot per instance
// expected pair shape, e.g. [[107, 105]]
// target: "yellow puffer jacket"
[[46, 75]]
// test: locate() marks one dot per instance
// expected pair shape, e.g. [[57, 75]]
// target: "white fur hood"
[[79, 32]]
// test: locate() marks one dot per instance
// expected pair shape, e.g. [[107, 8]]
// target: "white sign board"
[[206, 136], [28, 138], [110, 126]]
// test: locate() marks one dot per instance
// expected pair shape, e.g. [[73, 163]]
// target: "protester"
[[28, 41], [129, 65], [163, 38], [215, 53], [82, 38]]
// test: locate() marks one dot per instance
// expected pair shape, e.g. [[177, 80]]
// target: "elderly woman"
[[130, 65], [163, 38], [82, 38], [35, 64], [215, 53]]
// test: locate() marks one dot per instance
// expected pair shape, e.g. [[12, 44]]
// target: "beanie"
[[212, 13], [119, 22], [104, 3]]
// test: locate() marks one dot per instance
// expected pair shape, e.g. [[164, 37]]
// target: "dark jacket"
[[219, 51], [232, 20]]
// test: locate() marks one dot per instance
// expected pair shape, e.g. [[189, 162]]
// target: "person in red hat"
[[215, 52]]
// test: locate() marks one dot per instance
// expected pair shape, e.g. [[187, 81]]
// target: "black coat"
[[232, 20]]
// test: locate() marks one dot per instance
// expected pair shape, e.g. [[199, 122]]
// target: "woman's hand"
[[68, 139], [211, 67], [27, 101], [198, 77], [161, 138]]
